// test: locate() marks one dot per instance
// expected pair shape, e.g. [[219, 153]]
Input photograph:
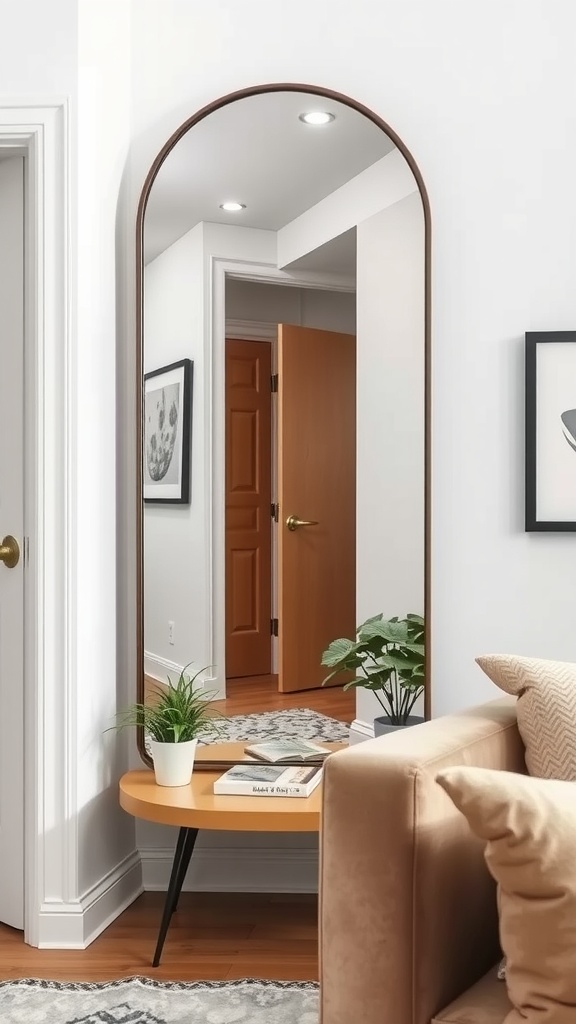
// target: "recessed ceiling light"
[[232, 207], [317, 117]]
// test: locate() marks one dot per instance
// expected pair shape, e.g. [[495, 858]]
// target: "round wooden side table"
[[194, 807]]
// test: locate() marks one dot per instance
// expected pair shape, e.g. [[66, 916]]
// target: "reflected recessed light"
[[232, 207], [317, 117]]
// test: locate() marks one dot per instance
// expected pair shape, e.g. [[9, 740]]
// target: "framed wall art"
[[167, 433], [551, 431]]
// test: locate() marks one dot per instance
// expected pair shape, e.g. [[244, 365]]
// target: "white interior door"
[[11, 523]]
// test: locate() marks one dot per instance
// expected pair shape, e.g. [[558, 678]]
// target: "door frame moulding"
[[251, 330], [42, 130], [220, 269]]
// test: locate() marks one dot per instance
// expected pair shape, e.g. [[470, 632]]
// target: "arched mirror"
[[283, 282]]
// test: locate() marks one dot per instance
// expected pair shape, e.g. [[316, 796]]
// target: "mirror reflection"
[[284, 449]]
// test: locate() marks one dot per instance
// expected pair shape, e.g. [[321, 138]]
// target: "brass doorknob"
[[9, 552], [294, 523]]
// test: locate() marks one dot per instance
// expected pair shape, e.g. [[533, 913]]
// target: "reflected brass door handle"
[[9, 552], [294, 523]]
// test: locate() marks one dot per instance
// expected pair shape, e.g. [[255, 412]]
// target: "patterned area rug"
[[142, 1001], [299, 723]]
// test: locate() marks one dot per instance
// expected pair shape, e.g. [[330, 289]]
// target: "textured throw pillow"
[[530, 829], [546, 692]]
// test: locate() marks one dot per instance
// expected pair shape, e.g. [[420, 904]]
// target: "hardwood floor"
[[260, 693], [212, 937]]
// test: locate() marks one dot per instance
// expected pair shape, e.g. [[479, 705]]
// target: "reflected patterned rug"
[[143, 1001], [296, 723]]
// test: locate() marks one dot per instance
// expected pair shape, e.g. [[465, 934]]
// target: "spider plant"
[[175, 713]]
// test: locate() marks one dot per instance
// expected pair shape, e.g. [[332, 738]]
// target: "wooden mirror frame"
[[167, 148]]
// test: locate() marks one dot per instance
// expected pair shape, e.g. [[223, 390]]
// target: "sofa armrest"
[[408, 915]]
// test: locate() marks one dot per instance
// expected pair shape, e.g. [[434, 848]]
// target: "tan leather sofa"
[[408, 918]]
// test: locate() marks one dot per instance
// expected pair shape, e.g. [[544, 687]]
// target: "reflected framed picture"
[[551, 431], [167, 433]]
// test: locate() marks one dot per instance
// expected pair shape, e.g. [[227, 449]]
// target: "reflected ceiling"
[[258, 152]]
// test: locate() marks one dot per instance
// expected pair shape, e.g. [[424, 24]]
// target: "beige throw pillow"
[[530, 829], [546, 692]]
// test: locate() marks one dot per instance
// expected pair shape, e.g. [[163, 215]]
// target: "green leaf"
[[381, 669], [415, 648], [385, 661], [416, 619], [337, 652], [400, 659], [379, 683], [391, 631], [354, 683]]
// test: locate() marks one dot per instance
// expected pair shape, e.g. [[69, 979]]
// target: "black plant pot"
[[383, 724]]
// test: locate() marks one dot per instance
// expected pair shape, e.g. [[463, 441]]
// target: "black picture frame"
[[549, 441], [167, 445]]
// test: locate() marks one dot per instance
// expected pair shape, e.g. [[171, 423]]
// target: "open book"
[[282, 751]]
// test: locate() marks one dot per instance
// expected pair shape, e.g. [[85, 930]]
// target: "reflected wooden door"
[[316, 481], [248, 498]]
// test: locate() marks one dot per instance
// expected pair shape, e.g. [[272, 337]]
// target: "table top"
[[196, 805]]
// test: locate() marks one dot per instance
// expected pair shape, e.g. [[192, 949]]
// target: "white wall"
[[175, 536], [107, 870], [50, 64], [390, 526], [383, 183]]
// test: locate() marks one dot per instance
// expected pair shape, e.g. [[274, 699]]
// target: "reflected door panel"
[[316, 482], [248, 498]]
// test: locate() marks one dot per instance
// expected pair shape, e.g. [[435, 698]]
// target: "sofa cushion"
[[530, 828], [546, 692], [486, 1002]]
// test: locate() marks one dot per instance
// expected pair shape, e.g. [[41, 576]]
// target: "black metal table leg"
[[189, 844], [182, 855]]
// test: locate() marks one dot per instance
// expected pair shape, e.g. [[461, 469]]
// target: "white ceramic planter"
[[173, 762]]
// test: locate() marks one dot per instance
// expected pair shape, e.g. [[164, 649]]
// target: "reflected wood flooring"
[[212, 937], [260, 693]]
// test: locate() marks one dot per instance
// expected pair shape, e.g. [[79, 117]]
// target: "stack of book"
[[281, 776]]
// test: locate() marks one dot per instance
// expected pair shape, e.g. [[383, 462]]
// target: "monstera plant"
[[387, 657]]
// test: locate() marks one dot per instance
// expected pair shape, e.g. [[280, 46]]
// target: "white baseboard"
[[360, 731], [235, 870], [76, 925], [159, 668]]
